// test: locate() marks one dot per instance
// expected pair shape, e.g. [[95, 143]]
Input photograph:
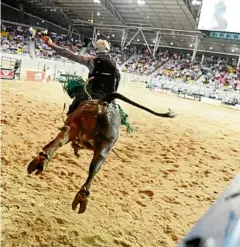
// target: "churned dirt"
[[168, 174]]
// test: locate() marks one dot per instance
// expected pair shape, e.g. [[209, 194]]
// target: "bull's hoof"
[[38, 164], [82, 199], [171, 114]]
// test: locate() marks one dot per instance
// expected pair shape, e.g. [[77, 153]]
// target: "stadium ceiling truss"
[[153, 23]]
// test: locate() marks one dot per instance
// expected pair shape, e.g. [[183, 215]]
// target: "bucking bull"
[[93, 125]]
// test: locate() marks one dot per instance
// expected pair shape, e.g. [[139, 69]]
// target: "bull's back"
[[95, 117]]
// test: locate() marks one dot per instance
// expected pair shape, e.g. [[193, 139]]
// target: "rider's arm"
[[84, 60]]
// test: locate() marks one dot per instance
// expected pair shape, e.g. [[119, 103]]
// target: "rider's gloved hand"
[[46, 39]]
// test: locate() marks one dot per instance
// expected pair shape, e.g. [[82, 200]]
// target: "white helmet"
[[102, 45]]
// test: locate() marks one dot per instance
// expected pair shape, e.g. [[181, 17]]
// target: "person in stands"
[[103, 70]]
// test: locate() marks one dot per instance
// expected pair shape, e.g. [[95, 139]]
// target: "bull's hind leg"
[[76, 147], [95, 165], [40, 162]]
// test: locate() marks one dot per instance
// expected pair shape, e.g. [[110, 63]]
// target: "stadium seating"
[[214, 72]]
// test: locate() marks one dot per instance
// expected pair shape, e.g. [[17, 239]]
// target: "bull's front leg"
[[95, 165], [40, 162]]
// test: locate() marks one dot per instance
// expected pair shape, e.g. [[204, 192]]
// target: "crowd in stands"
[[143, 63], [16, 41], [214, 71], [120, 56]]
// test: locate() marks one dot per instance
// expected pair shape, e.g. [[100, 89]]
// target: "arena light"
[[171, 43], [108, 37], [211, 48], [141, 2], [137, 40], [98, 13], [154, 41], [196, 2], [42, 21], [148, 17], [233, 50], [191, 45], [113, 35], [96, 1]]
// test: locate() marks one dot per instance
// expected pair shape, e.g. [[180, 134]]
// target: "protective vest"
[[104, 74]]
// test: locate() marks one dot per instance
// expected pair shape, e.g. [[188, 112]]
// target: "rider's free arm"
[[84, 60]]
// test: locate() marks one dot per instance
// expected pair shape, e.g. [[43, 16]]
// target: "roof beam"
[[172, 31], [49, 3], [190, 7], [21, 24], [107, 4], [184, 48], [149, 49]]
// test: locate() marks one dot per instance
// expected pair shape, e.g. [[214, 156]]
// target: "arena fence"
[[200, 91], [55, 68]]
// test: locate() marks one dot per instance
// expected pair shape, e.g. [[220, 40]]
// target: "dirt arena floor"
[[169, 173]]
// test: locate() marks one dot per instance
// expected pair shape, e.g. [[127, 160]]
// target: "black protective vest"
[[104, 74]]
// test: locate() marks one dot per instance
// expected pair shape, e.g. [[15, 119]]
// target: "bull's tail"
[[112, 96]]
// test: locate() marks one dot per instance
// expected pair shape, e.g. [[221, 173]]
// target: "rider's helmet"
[[102, 46]]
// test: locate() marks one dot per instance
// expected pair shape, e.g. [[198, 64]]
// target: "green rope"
[[124, 118], [73, 86]]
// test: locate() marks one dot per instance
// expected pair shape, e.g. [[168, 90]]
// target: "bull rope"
[[64, 107], [85, 87]]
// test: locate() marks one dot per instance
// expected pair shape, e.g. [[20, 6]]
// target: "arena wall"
[[37, 64]]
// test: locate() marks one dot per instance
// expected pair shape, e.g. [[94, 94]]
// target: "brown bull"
[[93, 125]]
